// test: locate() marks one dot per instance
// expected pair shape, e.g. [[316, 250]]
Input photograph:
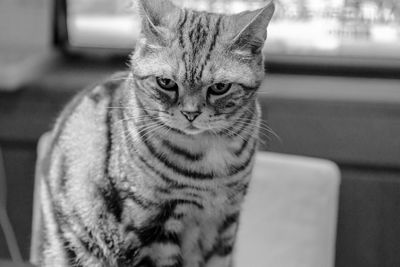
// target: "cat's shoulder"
[[87, 112], [96, 93]]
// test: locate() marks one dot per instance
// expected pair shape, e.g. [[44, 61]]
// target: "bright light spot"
[[238, 6], [369, 10], [314, 34], [104, 30], [385, 34]]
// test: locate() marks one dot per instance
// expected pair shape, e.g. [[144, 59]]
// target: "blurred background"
[[309, 27], [332, 91]]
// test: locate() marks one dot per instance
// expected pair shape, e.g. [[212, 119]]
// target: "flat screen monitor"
[[349, 30]]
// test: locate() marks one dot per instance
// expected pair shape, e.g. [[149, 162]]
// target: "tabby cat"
[[150, 167]]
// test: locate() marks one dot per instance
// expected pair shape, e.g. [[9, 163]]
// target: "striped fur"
[[128, 181]]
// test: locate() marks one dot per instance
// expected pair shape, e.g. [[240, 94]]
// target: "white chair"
[[288, 219], [290, 214], [36, 238]]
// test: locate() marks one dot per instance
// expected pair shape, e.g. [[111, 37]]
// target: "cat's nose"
[[191, 115]]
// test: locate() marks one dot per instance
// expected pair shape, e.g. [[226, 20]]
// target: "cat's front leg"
[[217, 261], [222, 256], [222, 253]]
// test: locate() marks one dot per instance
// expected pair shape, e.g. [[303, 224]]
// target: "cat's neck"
[[206, 150]]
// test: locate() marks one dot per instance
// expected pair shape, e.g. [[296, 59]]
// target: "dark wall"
[[356, 123], [353, 121], [369, 217]]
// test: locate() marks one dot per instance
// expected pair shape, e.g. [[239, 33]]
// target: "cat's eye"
[[167, 84], [219, 88]]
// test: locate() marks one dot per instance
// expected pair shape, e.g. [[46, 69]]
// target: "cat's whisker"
[[162, 116], [148, 124], [233, 133], [147, 127], [139, 134], [131, 132], [265, 127], [149, 109], [135, 119], [156, 110], [264, 92], [252, 110], [152, 131], [167, 131], [261, 140], [261, 121], [155, 132], [136, 108], [119, 107], [251, 134]]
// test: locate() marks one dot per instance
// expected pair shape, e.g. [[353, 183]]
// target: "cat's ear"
[[250, 28], [158, 18]]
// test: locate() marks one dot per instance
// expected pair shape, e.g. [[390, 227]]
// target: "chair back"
[[290, 214]]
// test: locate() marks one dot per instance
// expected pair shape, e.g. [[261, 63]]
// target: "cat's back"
[[84, 120], [74, 165], [79, 140]]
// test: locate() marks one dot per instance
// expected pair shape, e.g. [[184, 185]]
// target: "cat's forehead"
[[199, 35], [201, 45], [195, 24]]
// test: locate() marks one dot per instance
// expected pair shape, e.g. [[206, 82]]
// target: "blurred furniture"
[[36, 237], [290, 214], [24, 40], [5, 224], [19, 66], [289, 217]]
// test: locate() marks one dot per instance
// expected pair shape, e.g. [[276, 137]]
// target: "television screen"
[[348, 28]]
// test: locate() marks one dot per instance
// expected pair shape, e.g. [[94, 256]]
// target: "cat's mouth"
[[191, 129]]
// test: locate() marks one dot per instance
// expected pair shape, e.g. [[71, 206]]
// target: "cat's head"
[[198, 71]]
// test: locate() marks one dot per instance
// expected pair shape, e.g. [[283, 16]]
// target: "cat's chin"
[[193, 130]]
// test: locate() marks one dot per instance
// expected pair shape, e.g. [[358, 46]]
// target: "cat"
[[150, 167]]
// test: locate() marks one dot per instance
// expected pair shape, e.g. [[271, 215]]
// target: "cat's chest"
[[218, 155]]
